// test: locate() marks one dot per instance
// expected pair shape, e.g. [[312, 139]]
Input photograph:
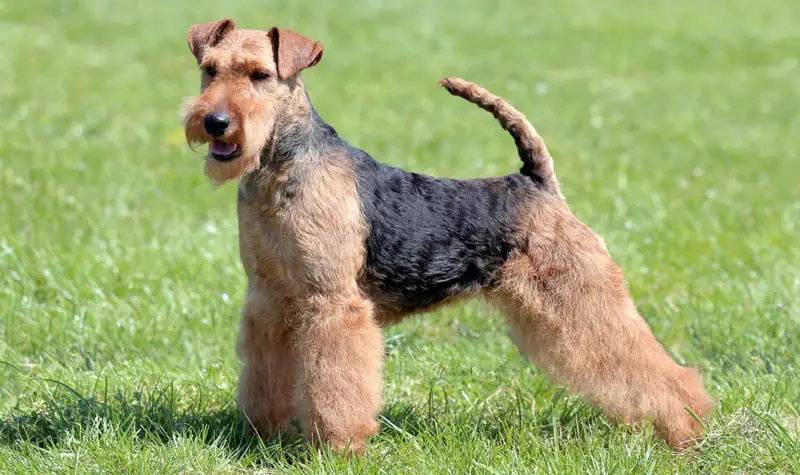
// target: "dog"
[[336, 246]]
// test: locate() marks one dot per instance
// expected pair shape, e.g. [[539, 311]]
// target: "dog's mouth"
[[223, 151]]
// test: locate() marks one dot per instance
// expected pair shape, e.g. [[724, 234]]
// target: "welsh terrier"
[[336, 246]]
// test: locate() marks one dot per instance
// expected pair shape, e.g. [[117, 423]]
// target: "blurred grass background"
[[674, 128]]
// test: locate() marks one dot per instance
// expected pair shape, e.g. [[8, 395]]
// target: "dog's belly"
[[430, 239]]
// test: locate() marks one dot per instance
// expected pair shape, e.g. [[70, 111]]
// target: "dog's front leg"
[[338, 349], [265, 385]]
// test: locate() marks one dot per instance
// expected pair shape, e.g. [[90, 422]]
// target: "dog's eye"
[[211, 71], [259, 75]]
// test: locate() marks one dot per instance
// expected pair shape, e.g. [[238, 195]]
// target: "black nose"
[[216, 123]]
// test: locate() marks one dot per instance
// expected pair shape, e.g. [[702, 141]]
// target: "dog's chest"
[[268, 234], [294, 235]]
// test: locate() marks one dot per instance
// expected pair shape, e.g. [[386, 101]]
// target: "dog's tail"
[[536, 160]]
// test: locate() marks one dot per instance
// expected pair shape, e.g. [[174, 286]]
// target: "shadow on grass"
[[158, 417]]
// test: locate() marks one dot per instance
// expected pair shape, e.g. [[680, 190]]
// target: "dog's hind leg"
[[571, 314]]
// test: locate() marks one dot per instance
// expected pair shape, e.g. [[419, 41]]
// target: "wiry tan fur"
[[331, 333], [567, 304], [311, 342]]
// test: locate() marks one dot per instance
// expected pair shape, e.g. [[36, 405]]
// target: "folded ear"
[[208, 34], [293, 52]]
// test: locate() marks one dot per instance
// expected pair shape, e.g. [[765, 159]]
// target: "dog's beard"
[[192, 114], [250, 135], [252, 142], [220, 172]]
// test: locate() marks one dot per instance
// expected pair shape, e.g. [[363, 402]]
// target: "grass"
[[674, 127]]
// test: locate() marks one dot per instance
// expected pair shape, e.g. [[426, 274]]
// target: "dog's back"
[[432, 238]]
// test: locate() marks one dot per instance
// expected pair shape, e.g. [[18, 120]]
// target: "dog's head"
[[248, 79]]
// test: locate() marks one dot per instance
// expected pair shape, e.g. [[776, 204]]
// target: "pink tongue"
[[222, 148]]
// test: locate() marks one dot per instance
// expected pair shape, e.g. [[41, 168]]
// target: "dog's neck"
[[300, 137], [299, 132]]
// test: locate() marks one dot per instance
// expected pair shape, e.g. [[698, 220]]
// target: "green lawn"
[[675, 133]]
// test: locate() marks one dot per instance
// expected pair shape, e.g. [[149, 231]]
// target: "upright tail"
[[536, 160]]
